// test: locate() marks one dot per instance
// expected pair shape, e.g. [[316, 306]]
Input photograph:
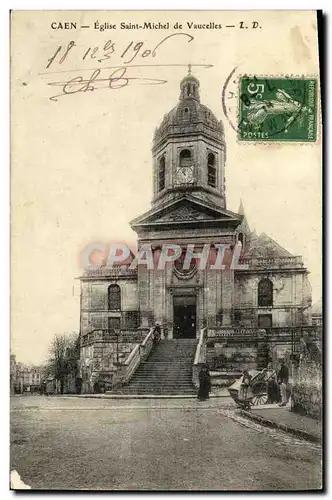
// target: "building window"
[[185, 158], [240, 237], [212, 171], [265, 293], [114, 298], [114, 324], [161, 174], [264, 320]]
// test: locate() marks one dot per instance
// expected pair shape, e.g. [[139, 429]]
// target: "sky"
[[82, 166]]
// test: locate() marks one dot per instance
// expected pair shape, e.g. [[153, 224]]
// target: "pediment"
[[188, 211], [184, 213]]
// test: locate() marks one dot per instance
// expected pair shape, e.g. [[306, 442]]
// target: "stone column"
[[227, 295], [211, 296], [144, 296]]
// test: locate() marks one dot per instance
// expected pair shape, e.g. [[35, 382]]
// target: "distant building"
[[12, 373], [28, 378]]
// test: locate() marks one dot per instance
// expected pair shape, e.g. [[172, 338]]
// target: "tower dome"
[[189, 149], [189, 115]]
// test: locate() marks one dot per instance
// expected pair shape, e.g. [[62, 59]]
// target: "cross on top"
[[189, 69]]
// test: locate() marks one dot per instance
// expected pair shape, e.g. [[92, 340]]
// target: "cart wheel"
[[260, 399]]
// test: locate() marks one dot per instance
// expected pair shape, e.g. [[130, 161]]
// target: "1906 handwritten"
[[102, 77]]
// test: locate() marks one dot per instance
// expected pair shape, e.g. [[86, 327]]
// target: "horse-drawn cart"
[[256, 392]]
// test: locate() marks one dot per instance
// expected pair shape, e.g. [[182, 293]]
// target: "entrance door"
[[184, 317]]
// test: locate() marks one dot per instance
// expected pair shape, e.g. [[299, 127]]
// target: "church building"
[[270, 289]]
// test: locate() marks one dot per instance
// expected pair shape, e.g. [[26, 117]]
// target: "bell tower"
[[188, 208], [189, 151]]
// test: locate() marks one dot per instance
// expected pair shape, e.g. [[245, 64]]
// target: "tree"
[[63, 357]]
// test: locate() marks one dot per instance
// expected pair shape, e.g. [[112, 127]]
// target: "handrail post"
[[134, 359]]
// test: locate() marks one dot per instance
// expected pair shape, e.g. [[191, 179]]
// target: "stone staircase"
[[167, 371]]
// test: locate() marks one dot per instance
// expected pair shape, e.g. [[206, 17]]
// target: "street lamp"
[[117, 333]]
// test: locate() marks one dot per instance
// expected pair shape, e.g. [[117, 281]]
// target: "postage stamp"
[[277, 109]]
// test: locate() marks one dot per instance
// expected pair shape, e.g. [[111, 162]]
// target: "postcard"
[[166, 250]]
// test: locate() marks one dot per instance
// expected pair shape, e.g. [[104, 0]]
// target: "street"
[[153, 444]]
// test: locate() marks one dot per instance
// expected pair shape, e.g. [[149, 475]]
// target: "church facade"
[[269, 289]]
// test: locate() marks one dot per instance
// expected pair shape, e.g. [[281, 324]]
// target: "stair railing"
[[200, 356], [146, 345], [138, 354]]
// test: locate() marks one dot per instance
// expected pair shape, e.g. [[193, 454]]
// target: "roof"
[[264, 246]]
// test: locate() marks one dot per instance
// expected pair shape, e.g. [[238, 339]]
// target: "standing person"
[[156, 333], [245, 384], [204, 383], [283, 376], [272, 389], [165, 331]]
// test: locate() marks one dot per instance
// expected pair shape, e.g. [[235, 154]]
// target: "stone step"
[[168, 370], [166, 365], [164, 369], [165, 375], [152, 389], [156, 390], [161, 379]]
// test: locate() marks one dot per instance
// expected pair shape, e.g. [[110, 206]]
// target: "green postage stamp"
[[277, 109]]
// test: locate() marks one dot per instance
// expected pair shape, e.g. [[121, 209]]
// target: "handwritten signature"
[[116, 80]]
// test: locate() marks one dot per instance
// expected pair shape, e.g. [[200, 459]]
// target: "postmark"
[[277, 109]]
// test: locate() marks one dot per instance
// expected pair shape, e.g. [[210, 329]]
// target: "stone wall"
[[252, 354], [307, 397], [231, 357], [98, 362]]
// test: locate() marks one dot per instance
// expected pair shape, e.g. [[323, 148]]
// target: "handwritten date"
[[100, 54]]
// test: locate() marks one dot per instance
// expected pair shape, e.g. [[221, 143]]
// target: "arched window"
[[212, 171], [161, 174], [265, 292], [185, 158], [114, 298], [240, 237]]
